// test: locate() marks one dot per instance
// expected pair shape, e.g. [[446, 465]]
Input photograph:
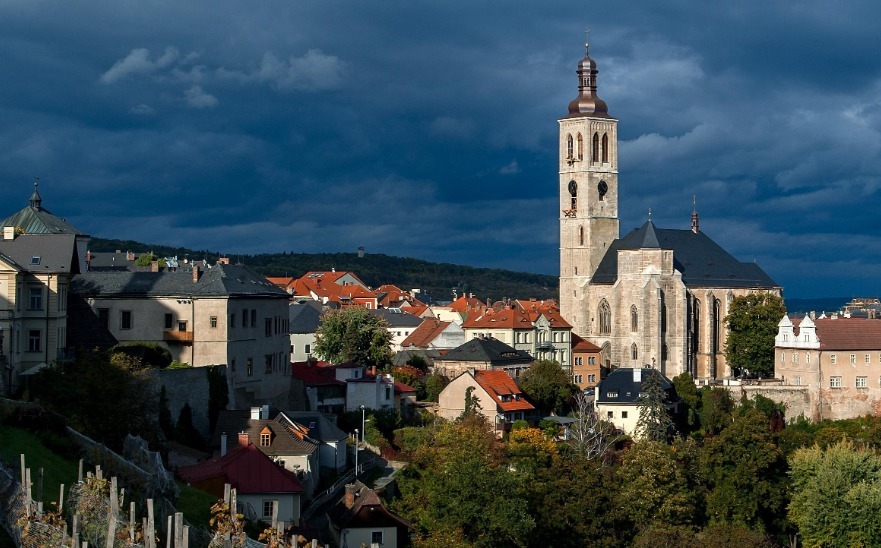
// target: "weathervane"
[[586, 39]]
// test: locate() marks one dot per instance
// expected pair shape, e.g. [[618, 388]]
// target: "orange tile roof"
[[514, 319], [415, 309], [499, 383], [427, 331], [582, 345], [847, 333]]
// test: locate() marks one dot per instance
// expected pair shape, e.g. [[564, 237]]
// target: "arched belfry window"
[[595, 157], [634, 319], [605, 147], [569, 146], [605, 318], [573, 194], [580, 147], [580, 235], [634, 352]]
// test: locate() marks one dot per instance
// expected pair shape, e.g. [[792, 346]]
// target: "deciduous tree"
[[353, 335], [752, 325], [654, 421], [547, 386]]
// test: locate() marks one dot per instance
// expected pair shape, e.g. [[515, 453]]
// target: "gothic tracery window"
[[595, 157], [634, 319], [569, 146], [580, 147], [605, 318], [634, 352], [605, 147], [580, 235]]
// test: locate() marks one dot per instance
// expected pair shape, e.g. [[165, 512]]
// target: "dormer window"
[[265, 437]]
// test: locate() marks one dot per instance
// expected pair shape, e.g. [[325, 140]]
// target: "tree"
[[717, 407], [547, 386], [689, 420], [654, 421], [353, 335], [836, 495], [752, 325], [472, 404], [146, 258], [589, 436]]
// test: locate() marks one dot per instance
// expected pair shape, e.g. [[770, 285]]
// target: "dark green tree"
[[689, 419], [654, 423], [717, 407], [548, 386], [353, 335], [472, 404], [434, 384], [752, 325]]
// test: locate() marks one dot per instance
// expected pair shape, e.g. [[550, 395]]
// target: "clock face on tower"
[[602, 188]]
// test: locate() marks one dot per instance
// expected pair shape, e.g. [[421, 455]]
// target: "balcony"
[[544, 345], [179, 337]]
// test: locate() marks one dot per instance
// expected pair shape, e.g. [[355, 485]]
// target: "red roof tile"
[[427, 331], [847, 333], [499, 383], [246, 469]]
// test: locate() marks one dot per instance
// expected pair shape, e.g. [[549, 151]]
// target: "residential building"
[[434, 334], [500, 398], [373, 392], [360, 519], [617, 399], [324, 384], [655, 296], [343, 288], [35, 273], [304, 318], [332, 450], [262, 486], [480, 354], [838, 361], [586, 359], [205, 315], [400, 324]]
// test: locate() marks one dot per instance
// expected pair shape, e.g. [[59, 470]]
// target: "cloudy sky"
[[429, 129]]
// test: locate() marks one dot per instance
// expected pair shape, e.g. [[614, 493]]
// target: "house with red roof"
[[344, 288], [836, 359], [262, 486], [324, 384], [500, 398], [360, 518], [587, 367], [434, 334]]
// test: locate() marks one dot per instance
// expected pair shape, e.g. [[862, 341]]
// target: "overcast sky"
[[429, 129]]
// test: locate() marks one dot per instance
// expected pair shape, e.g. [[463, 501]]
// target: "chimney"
[[349, 499], [223, 260], [255, 413], [244, 439], [8, 232], [196, 273], [129, 255], [223, 444], [266, 412], [154, 266]]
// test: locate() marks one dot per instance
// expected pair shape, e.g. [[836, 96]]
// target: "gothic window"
[[634, 319], [580, 147], [696, 325], [605, 318], [664, 352], [573, 193], [569, 147], [606, 354], [580, 235], [605, 147], [595, 157], [717, 326], [634, 353]]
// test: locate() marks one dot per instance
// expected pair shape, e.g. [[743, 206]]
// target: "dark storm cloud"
[[429, 129]]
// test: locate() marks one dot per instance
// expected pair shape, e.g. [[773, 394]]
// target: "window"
[[623, 414], [62, 296], [570, 145], [36, 302], [580, 235], [35, 260], [853, 359], [611, 394], [783, 357], [595, 156], [795, 357], [868, 359], [264, 439], [634, 353], [267, 361], [591, 360], [249, 367], [104, 317], [605, 318], [308, 349], [232, 321], [807, 358], [591, 378], [388, 392], [254, 317], [245, 317], [169, 321], [578, 379], [34, 340], [578, 360], [610, 414], [232, 365], [834, 382], [268, 327], [580, 147], [797, 381], [833, 359], [605, 147], [634, 319], [268, 508], [862, 382], [125, 319], [376, 537], [182, 326], [213, 321]]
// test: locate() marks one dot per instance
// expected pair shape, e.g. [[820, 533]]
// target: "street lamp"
[[356, 453], [363, 427]]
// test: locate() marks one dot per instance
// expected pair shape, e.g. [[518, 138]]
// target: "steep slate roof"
[[366, 512], [846, 333], [700, 260], [395, 317], [247, 469], [35, 219], [57, 253], [487, 349], [285, 439], [620, 382], [220, 280], [304, 317], [320, 426], [499, 383]]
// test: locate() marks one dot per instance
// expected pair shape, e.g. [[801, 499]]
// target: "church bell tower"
[[588, 159]]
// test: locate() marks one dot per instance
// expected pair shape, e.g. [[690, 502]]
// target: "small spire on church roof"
[[36, 200], [650, 214], [695, 221]]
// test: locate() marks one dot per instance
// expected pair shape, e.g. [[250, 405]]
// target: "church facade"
[[656, 297]]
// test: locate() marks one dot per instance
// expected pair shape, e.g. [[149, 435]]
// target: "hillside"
[[437, 279]]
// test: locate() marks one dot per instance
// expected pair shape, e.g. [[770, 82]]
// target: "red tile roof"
[[582, 345], [427, 331], [514, 318], [314, 373], [246, 469], [846, 333], [499, 383]]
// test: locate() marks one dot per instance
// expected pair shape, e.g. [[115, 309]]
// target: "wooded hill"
[[437, 279]]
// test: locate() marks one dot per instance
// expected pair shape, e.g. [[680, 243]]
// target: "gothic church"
[[656, 297]]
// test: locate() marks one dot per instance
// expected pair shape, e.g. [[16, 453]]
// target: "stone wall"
[[797, 399], [183, 386]]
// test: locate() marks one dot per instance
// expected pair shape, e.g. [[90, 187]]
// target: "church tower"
[[588, 159]]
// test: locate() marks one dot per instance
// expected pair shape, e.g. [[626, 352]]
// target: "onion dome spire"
[[587, 103]]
